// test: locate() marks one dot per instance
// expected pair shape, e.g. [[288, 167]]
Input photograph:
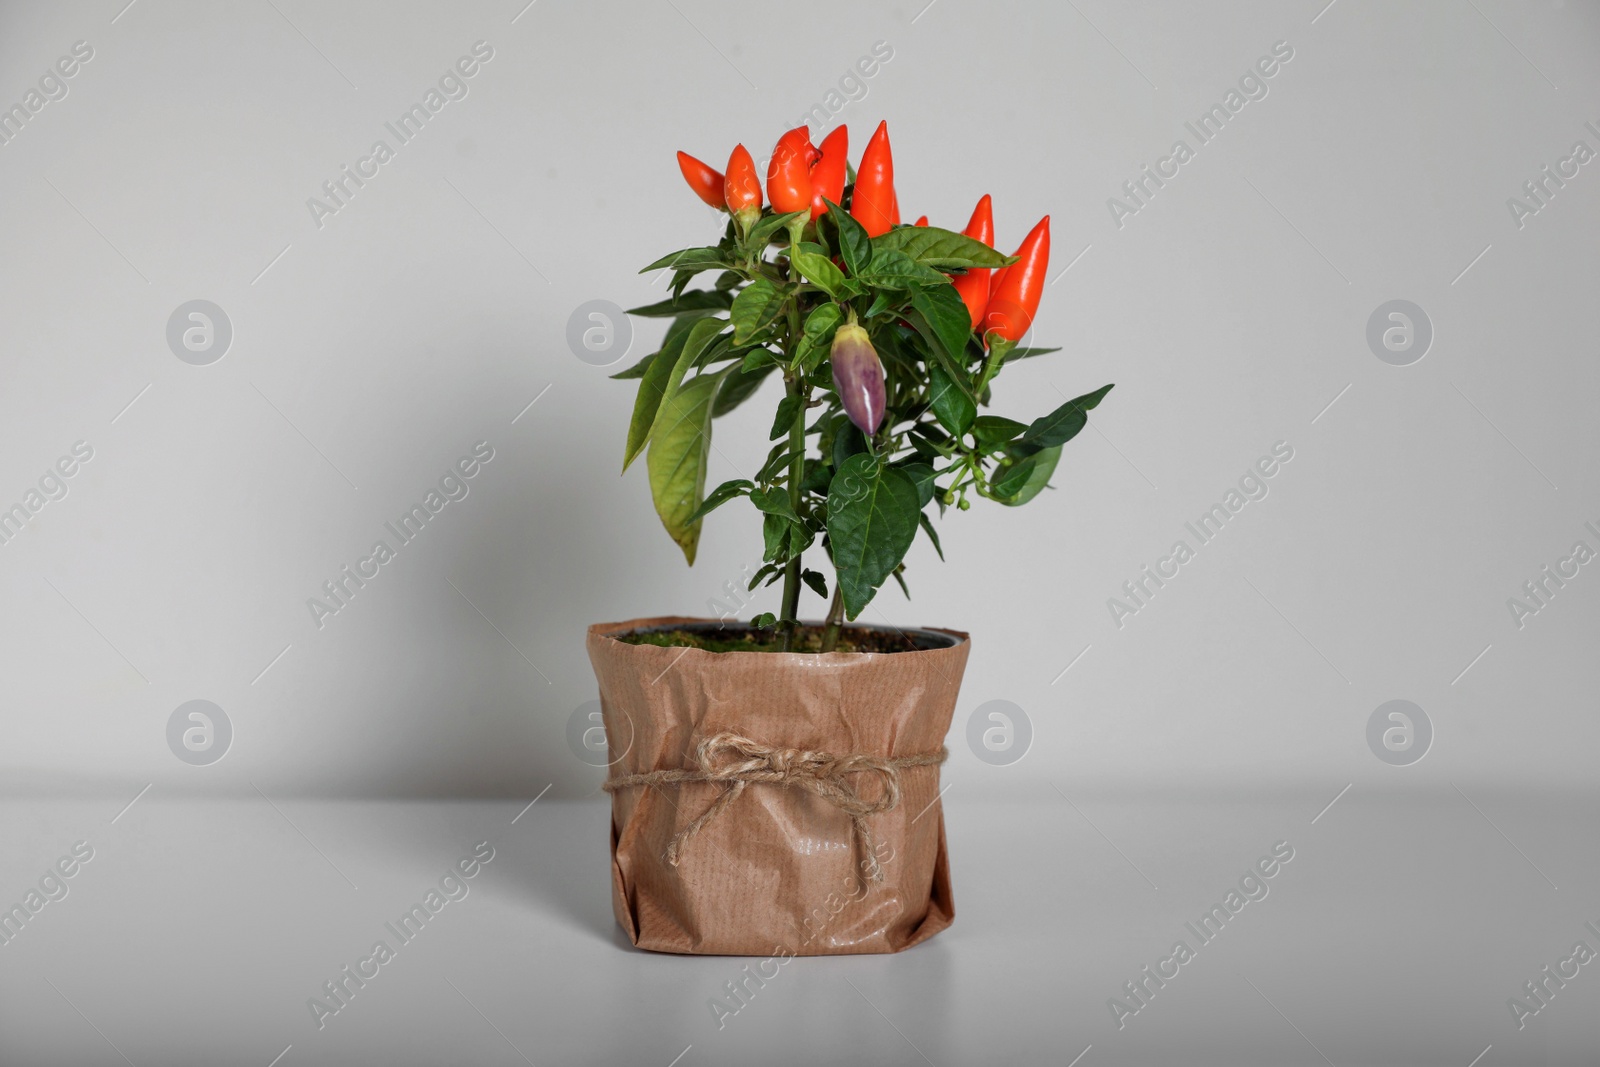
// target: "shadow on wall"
[[534, 560]]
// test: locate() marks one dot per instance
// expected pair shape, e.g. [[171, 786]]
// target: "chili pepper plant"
[[888, 339]]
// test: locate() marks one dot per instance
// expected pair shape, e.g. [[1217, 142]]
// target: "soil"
[[735, 638]]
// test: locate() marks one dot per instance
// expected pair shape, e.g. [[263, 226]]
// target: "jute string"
[[738, 761]]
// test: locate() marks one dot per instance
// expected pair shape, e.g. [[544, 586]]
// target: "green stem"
[[789, 620], [830, 632], [991, 367], [797, 461]]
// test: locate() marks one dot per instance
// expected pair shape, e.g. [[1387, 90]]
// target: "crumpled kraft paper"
[[779, 871]]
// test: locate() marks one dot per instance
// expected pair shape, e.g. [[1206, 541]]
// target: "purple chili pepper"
[[858, 377]]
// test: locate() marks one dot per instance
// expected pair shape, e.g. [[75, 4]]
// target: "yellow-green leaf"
[[819, 270], [660, 383], [648, 399], [677, 460]]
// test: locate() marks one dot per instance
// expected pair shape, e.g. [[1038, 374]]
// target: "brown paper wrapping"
[[779, 871]]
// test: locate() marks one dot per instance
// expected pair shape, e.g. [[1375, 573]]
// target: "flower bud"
[[858, 377]]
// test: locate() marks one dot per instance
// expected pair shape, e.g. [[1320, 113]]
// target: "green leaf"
[[848, 440], [648, 400], [947, 313], [757, 359], [660, 384], [704, 336], [818, 269], [720, 496], [723, 350], [893, 269], [765, 621], [872, 519], [992, 431], [638, 369], [950, 362], [933, 247], [784, 418], [933, 535], [954, 409], [817, 477], [702, 300], [755, 307], [768, 570], [677, 460], [761, 233], [680, 282], [800, 539], [1022, 481], [817, 335], [775, 537], [679, 328], [816, 581], [1028, 353], [1063, 424], [922, 475], [777, 462], [855, 247], [728, 279], [774, 501], [692, 259], [739, 387]]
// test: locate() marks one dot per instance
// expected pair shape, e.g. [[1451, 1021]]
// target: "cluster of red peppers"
[[1001, 301]]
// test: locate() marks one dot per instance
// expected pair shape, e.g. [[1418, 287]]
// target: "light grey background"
[[428, 314]]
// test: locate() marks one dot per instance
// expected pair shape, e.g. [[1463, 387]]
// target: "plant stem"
[[830, 632], [790, 619]]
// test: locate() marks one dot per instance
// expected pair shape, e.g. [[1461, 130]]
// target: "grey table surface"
[[200, 930]]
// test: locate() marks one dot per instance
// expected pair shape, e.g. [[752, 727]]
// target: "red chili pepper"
[[974, 285], [894, 208], [706, 183], [1016, 297], [923, 221], [873, 204], [789, 173], [828, 172], [741, 188]]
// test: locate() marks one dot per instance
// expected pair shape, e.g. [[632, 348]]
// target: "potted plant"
[[775, 784]]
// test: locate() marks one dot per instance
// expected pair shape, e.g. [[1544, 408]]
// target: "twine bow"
[[738, 761]]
